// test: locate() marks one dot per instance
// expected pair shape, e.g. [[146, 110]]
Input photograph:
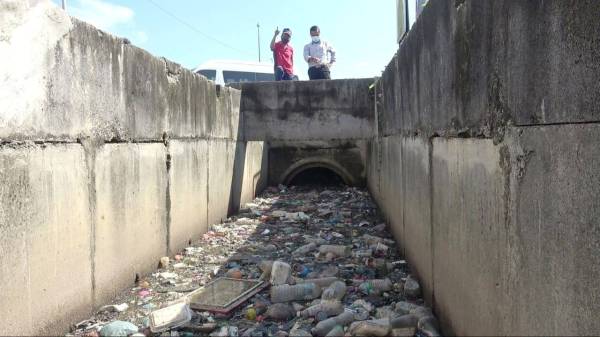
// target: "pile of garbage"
[[294, 262]]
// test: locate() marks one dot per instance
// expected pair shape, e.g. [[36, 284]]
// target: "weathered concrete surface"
[[188, 192], [131, 215], [554, 242], [249, 173], [416, 189], [321, 110], [221, 157], [465, 69], [469, 236], [45, 238], [345, 158], [63, 79]]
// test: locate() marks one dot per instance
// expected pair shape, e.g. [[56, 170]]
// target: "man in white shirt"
[[319, 55]]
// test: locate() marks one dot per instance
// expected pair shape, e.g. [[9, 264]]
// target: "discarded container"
[[281, 312], [305, 249], [378, 327], [170, 317], [336, 291], [114, 308], [329, 308], [337, 250], [337, 331], [280, 273], [322, 282], [298, 292], [380, 248], [265, 266], [363, 253], [373, 240], [301, 270], [404, 332], [224, 294], [299, 333], [251, 314], [330, 271], [376, 286], [412, 288], [164, 262], [404, 321], [324, 327], [429, 326], [234, 273], [118, 329], [405, 308]]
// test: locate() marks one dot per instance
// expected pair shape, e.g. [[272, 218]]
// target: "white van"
[[225, 72]]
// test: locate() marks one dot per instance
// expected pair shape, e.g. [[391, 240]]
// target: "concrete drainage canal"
[[297, 261]]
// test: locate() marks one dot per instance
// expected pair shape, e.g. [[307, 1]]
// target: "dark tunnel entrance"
[[316, 176]]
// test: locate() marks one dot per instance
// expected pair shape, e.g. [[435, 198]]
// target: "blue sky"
[[194, 31]]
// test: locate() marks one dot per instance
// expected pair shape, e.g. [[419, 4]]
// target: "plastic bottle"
[[298, 292], [363, 253], [373, 240], [337, 250], [337, 331], [429, 326], [376, 286], [324, 327], [378, 328], [322, 282], [280, 273], [329, 308], [265, 266], [336, 291], [404, 321], [305, 249]]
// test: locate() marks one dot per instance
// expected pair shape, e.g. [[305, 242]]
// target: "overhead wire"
[[190, 26]]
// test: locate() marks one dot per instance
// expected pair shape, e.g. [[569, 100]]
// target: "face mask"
[[316, 39]]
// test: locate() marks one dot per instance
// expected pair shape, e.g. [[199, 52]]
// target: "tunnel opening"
[[317, 176]]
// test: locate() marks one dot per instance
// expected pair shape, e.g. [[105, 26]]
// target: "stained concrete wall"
[[109, 159], [310, 124], [484, 161], [307, 110]]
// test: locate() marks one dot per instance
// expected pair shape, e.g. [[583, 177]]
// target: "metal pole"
[[258, 28], [64, 4]]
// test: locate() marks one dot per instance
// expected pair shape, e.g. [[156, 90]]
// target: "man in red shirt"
[[283, 53]]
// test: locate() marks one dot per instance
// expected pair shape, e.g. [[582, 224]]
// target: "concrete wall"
[[109, 159], [307, 110], [485, 162], [310, 124]]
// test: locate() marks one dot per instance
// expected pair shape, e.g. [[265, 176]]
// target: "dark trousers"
[[281, 75], [320, 72]]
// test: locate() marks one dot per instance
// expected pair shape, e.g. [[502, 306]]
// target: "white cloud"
[[102, 14], [140, 37]]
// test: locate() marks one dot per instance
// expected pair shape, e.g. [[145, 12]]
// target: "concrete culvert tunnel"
[[316, 176]]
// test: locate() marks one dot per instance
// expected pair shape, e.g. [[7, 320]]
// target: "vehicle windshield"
[[210, 74], [244, 76]]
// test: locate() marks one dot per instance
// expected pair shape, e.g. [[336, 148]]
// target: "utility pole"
[[64, 4], [258, 28]]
